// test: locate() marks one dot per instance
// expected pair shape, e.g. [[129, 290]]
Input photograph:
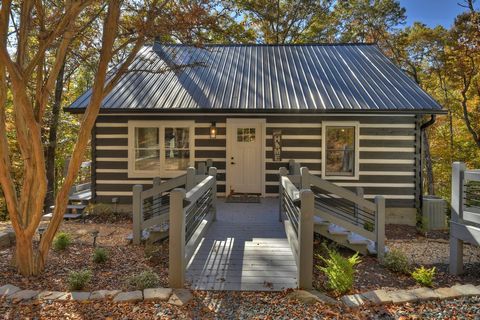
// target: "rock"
[[324, 298], [424, 294], [23, 295], [377, 297], [130, 296], [103, 294], [79, 296], [353, 301], [447, 293], [7, 290], [5, 240], [310, 297], [180, 297], [51, 295], [402, 296], [157, 294], [467, 290]]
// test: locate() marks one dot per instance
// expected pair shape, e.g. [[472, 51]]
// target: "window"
[[158, 148], [340, 150], [246, 134]]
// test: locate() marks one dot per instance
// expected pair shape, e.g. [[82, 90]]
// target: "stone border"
[[180, 297]]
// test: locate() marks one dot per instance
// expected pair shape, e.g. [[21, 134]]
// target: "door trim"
[[263, 133]]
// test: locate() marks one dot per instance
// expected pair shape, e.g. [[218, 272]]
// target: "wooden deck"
[[245, 249]]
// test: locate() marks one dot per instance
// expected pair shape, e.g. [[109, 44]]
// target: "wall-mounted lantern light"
[[213, 130]]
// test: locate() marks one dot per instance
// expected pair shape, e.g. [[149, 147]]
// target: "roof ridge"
[[327, 44]]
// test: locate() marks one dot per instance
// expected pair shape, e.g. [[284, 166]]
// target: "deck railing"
[[298, 208], [191, 213], [465, 218]]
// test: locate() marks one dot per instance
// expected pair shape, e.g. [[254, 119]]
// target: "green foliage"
[[369, 226], [62, 241], [340, 271], [396, 261], [424, 276], [78, 280], [144, 280], [100, 255]]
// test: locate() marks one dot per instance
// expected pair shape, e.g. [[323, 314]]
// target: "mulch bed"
[[431, 250], [124, 260]]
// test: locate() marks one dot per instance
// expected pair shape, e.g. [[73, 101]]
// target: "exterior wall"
[[389, 154]]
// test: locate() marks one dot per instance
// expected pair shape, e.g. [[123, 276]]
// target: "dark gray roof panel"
[[265, 77]]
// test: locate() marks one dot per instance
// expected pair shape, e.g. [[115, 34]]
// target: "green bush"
[[369, 226], [424, 276], [340, 271], [144, 280], [62, 241], [396, 261], [78, 280], [100, 255]]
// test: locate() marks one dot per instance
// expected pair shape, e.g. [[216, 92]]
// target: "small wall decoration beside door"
[[277, 145]]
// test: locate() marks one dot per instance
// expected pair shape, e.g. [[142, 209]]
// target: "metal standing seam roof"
[[313, 77]]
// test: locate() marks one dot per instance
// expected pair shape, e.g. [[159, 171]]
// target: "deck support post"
[[176, 245], [456, 245], [305, 240], [202, 169], [305, 178], [283, 172], [190, 178], [380, 226], [212, 171], [137, 210]]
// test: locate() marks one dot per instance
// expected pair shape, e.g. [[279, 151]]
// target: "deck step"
[[73, 207], [337, 230], [354, 238], [49, 216], [81, 196], [320, 221]]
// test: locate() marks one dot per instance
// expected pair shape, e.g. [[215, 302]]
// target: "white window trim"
[[161, 125], [354, 124]]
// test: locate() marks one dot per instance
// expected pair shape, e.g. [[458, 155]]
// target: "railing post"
[[456, 245], [201, 169], [305, 178], [291, 164], [380, 226], [357, 207], [282, 173], [137, 209], [305, 239], [212, 171], [156, 183], [209, 163], [190, 179], [176, 245]]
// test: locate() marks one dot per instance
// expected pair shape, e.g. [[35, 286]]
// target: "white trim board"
[[176, 114]]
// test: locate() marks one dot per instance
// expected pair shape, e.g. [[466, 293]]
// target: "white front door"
[[244, 155]]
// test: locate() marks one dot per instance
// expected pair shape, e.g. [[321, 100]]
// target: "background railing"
[[191, 213], [465, 219]]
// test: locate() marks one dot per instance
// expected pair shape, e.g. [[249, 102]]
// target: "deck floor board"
[[245, 249]]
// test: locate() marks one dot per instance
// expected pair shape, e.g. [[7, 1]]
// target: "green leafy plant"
[[340, 271], [100, 255], [78, 280], [369, 226], [62, 241], [144, 280], [424, 276], [396, 261]]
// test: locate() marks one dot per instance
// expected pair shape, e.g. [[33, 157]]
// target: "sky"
[[432, 12]]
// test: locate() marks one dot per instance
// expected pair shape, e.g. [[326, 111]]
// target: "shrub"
[[100, 255], [424, 276], [78, 280], [62, 241], [144, 280], [340, 271], [396, 261]]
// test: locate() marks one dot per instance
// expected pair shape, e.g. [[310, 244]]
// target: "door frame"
[[231, 134]]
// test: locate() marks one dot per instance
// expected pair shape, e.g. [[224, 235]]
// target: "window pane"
[[146, 137], [340, 153], [177, 138], [176, 159], [147, 159], [246, 134]]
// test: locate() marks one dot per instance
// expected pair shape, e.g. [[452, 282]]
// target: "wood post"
[[176, 245], [191, 172], [305, 240], [209, 163], [380, 226], [282, 173], [202, 169], [305, 178], [137, 209], [156, 183], [456, 245], [357, 207], [212, 171]]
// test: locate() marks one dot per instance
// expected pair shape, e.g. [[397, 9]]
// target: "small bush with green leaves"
[[100, 255], [62, 241], [369, 226], [144, 280], [396, 261], [340, 271], [78, 280], [424, 276]]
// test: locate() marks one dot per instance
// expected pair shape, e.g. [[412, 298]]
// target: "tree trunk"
[[24, 255], [52, 140], [428, 164]]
